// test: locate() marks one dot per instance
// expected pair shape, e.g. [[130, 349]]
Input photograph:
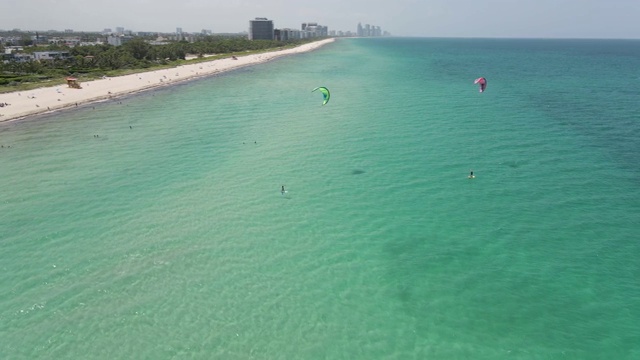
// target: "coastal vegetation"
[[94, 61]]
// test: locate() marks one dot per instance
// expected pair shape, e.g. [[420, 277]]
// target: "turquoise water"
[[167, 237]]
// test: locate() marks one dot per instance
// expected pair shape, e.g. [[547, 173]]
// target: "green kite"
[[325, 94]]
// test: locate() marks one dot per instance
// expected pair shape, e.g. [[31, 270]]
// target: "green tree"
[[138, 48], [26, 41]]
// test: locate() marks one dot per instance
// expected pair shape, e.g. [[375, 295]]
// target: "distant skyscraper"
[[261, 29], [312, 29], [119, 30], [179, 30], [360, 31]]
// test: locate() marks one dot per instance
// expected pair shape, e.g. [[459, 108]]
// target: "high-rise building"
[[261, 29], [312, 29], [369, 30]]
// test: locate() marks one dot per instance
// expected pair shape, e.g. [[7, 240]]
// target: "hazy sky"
[[438, 18]]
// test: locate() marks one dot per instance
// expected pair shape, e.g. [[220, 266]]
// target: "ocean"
[[153, 226]]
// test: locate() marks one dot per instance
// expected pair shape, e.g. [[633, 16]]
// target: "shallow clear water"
[[167, 236]]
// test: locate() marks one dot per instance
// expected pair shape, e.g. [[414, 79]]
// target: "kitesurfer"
[[482, 82]]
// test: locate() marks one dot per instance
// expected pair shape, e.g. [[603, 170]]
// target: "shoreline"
[[46, 100]]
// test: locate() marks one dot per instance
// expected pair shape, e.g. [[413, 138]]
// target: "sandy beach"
[[47, 99]]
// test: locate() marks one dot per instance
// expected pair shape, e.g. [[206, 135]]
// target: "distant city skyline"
[[434, 18]]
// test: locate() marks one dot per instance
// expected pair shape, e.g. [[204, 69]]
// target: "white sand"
[[27, 103]]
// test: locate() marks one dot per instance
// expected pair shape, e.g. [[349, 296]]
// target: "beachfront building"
[[261, 29], [288, 34], [117, 40], [114, 40], [369, 30], [66, 41], [12, 49], [312, 29], [51, 55], [8, 56], [40, 39], [306, 31]]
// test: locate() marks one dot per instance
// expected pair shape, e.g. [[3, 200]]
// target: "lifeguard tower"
[[73, 83]]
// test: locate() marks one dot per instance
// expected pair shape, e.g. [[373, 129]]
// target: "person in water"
[[283, 191], [471, 176]]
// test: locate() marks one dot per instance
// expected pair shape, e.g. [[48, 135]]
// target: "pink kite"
[[482, 82]]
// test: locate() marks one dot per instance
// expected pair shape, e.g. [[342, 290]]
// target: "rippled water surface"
[[153, 227]]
